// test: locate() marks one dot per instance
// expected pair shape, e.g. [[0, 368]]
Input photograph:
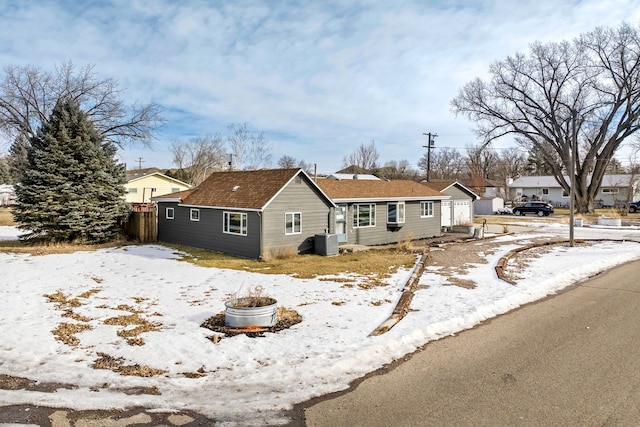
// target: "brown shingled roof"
[[350, 189], [438, 185], [238, 189]]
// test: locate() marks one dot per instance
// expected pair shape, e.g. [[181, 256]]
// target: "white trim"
[[166, 213], [433, 208], [365, 200], [398, 212], [293, 227], [353, 222], [244, 224], [191, 212]]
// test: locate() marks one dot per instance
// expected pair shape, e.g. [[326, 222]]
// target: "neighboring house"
[[251, 214], [613, 191], [142, 187], [459, 209], [374, 212], [483, 187], [7, 195]]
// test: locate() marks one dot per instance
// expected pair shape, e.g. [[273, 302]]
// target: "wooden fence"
[[142, 224]]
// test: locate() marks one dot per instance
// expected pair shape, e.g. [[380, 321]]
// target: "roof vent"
[[236, 187]]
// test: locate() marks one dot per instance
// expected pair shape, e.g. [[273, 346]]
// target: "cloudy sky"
[[317, 77]]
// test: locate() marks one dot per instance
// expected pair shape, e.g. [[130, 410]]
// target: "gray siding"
[[457, 194], [265, 230], [414, 227], [298, 196], [207, 233]]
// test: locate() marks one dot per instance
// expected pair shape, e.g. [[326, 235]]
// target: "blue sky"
[[318, 78]]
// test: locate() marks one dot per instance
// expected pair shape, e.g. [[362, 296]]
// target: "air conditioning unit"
[[326, 244]]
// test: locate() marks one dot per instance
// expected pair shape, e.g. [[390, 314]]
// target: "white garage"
[[459, 209]]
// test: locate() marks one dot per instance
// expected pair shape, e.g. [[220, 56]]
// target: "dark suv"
[[538, 208], [634, 206]]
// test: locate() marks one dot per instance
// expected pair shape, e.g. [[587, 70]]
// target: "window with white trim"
[[395, 212], [235, 223], [293, 223], [609, 190], [194, 214], [426, 209], [364, 215], [169, 213], [132, 190]]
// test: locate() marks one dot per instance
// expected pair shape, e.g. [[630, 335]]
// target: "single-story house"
[[251, 214], [374, 212], [483, 187], [141, 188], [613, 191], [7, 195], [459, 209]]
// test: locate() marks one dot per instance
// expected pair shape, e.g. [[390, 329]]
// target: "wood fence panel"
[[143, 226]]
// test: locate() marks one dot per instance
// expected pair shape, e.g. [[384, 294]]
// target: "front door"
[[445, 213], [341, 223]]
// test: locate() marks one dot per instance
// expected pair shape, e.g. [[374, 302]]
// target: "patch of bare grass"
[[41, 248], [117, 365], [377, 264], [6, 218], [66, 332]]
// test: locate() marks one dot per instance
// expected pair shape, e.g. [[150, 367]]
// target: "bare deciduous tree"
[[394, 169], [288, 162], [28, 95], [446, 163], [249, 151], [587, 90], [198, 157], [365, 157]]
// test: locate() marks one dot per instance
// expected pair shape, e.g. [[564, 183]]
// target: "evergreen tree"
[[72, 189]]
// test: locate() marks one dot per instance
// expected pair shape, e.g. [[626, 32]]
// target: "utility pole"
[[140, 162], [430, 143]]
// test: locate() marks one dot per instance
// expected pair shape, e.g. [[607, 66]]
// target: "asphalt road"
[[570, 360]]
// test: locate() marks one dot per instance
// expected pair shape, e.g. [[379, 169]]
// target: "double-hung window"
[[235, 223], [293, 223], [194, 214], [364, 215], [426, 209]]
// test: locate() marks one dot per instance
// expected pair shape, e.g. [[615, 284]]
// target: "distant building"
[[7, 195], [613, 192], [142, 187]]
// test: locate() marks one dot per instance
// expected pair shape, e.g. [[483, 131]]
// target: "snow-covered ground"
[[243, 380]]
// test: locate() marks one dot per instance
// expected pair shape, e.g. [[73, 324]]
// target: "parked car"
[[634, 206], [537, 208]]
